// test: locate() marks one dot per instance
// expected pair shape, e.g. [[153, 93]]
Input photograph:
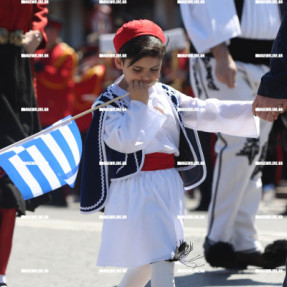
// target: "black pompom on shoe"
[[222, 254], [276, 252]]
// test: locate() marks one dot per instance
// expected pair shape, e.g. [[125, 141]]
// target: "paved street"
[[59, 246]]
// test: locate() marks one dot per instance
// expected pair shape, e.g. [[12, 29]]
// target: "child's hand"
[[138, 91]]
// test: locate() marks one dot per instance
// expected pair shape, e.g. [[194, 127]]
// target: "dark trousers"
[[16, 94]]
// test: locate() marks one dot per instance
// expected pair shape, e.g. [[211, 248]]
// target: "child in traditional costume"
[[150, 133]]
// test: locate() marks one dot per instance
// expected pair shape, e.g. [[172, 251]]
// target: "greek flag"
[[45, 162]]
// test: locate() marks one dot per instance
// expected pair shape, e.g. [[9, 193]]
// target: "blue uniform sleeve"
[[273, 83]]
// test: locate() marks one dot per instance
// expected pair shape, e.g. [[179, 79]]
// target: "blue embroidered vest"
[[96, 177]]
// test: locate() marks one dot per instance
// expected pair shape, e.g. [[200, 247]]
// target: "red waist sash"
[[157, 161]]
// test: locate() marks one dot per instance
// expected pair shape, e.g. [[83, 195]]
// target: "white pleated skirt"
[[149, 207]]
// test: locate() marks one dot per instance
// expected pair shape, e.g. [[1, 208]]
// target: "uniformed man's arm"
[[272, 92], [273, 84], [211, 23], [225, 69]]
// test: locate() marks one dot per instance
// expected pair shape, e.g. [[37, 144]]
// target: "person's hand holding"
[[32, 40], [139, 91], [264, 102], [225, 69]]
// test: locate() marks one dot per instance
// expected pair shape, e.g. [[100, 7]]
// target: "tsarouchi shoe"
[[222, 254]]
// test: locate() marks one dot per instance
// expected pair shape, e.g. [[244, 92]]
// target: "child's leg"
[[162, 274], [137, 276]]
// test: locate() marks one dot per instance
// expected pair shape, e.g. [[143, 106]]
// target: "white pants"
[[161, 274], [236, 187]]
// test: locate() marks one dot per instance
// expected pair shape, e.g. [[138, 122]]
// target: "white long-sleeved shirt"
[[216, 22], [142, 126]]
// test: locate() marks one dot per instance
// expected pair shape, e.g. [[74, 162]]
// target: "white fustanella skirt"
[[143, 219]]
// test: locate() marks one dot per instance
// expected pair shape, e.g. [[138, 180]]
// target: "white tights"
[[161, 274]]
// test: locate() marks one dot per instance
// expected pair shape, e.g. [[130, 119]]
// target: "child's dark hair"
[[143, 46]]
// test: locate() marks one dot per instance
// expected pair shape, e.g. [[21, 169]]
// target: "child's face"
[[146, 69]]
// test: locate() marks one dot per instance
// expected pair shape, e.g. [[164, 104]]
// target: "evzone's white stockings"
[[161, 274]]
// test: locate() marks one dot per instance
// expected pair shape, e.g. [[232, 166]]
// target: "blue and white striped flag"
[[46, 162]]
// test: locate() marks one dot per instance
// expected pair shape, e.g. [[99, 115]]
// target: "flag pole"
[[55, 126], [97, 107]]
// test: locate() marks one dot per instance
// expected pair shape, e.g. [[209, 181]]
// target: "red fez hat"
[[137, 28]]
